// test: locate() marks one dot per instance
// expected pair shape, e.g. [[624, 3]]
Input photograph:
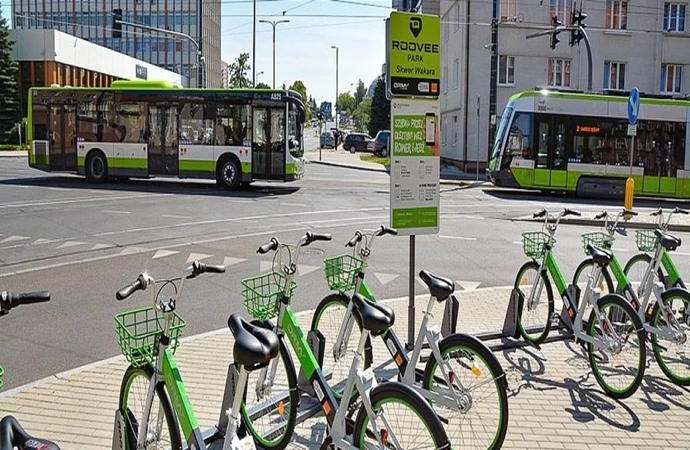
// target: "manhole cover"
[[312, 251]]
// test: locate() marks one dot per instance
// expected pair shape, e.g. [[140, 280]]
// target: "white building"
[[643, 44]]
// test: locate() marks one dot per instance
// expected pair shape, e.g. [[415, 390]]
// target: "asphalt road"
[[83, 242]]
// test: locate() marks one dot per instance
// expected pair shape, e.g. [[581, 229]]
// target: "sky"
[[303, 46]]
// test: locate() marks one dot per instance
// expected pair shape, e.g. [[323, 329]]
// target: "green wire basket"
[[646, 240], [341, 272], [262, 293], [2, 372], [534, 243], [597, 239], [138, 332]]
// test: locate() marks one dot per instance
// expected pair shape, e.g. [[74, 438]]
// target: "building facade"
[[643, 43], [92, 20], [49, 57]]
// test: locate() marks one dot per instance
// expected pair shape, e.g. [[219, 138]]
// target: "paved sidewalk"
[[679, 222], [554, 401], [14, 154]]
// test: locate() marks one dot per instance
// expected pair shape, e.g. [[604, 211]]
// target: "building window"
[[445, 79], [506, 70], [674, 17], [617, 14], [671, 75], [455, 131], [559, 72], [456, 73], [614, 75], [508, 10], [561, 9]]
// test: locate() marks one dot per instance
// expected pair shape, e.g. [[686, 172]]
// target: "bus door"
[[162, 139], [554, 137], [63, 137], [269, 140]]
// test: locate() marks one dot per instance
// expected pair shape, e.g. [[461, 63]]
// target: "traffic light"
[[554, 36], [117, 25], [578, 18]]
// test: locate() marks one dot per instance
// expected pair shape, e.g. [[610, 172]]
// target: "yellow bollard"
[[629, 191]]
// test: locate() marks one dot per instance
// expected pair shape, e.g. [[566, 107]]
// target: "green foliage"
[[238, 72], [301, 88], [9, 91], [360, 92], [361, 115], [347, 102], [262, 85], [380, 115]]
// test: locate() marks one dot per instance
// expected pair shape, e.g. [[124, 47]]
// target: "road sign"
[[415, 166], [414, 49], [632, 130], [326, 109], [633, 105]]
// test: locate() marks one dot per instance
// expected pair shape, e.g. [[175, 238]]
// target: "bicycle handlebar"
[[310, 237], [138, 285], [144, 280], [9, 300], [385, 230], [539, 214], [355, 239], [601, 215], [272, 245], [198, 268], [680, 211]]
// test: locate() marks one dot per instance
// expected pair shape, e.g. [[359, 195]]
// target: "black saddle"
[[440, 287], [254, 346], [13, 435], [668, 241], [600, 256], [376, 318]]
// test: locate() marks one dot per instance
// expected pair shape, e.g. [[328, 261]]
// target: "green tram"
[[149, 128], [579, 143]]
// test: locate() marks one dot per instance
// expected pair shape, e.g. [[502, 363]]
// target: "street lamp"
[[257, 76], [336, 85], [274, 23]]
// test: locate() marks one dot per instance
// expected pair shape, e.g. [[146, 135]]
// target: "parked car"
[[327, 140], [357, 142], [381, 141]]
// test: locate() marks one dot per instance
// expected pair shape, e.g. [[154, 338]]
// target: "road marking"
[[230, 261], [298, 205], [460, 238], [623, 250], [681, 254], [13, 239], [79, 200], [304, 269], [133, 251], [71, 244], [164, 253], [517, 242], [112, 211], [174, 216], [101, 246], [42, 241], [197, 257], [469, 285], [265, 266], [385, 278]]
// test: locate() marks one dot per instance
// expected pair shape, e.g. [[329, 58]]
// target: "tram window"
[[519, 143]]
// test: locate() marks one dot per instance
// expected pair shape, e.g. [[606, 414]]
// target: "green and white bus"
[[573, 142], [148, 128]]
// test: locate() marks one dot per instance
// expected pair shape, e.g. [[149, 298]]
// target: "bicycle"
[[664, 314], [613, 325], [12, 434], [268, 296], [335, 318], [148, 338]]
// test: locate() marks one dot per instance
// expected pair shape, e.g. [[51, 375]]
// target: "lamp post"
[[335, 105], [274, 23], [257, 76]]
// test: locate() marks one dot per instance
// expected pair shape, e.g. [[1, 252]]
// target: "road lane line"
[[113, 211], [80, 200], [175, 216], [460, 238]]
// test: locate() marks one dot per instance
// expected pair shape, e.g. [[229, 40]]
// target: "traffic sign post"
[[633, 113]]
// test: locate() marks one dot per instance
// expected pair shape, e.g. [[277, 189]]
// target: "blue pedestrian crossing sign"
[[326, 109], [633, 105]]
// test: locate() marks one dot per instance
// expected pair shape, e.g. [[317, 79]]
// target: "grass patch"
[[12, 147], [375, 159]]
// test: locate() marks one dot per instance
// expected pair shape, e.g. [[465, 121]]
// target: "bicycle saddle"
[[254, 346], [13, 435], [600, 256], [440, 288], [376, 317], [668, 241]]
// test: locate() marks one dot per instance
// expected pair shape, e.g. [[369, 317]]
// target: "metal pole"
[[254, 46], [493, 76], [274, 53], [632, 150], [589, 59], [336, 90], [479, 99], [410, 304]]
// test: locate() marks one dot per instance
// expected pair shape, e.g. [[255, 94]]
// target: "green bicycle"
[[389, 416], [613, 330], [463, 378], [664, 312]]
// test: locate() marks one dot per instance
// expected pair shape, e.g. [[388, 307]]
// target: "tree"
[[238, 70], [361, 92], [262, 85], [301, 88], [380, 116], [361, 115], [347, 102], [9, 92]]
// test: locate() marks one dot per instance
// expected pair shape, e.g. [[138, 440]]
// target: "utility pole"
[[493, 78], [335, 105], [274, 23]]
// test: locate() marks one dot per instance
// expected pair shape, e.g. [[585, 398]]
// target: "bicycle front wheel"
[[582, 275], [269, 409], [671, 354], [534, 320], [403, 418], [328, 318], [635, 269], [618, 364], [162, 432], [476, 373]]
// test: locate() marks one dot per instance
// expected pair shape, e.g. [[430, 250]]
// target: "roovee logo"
[[415, 26]]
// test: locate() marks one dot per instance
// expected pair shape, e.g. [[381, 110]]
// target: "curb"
[[599, 223], [18, 154]]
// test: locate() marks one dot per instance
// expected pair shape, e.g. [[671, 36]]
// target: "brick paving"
[[554, 401]]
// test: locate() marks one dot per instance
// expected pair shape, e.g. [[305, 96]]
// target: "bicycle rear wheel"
[[635, 269], [534, 322], [582, 275], [409, 420], [671, 354], [133, 393]]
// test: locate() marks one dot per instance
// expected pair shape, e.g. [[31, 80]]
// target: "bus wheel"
[[96, 167], [229, 175]]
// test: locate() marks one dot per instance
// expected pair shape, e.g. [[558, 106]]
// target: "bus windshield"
[[502, 130]]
